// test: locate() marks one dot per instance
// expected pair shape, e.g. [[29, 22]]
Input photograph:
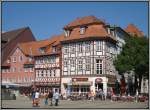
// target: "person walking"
[[37, 98], [33, 97], [50, 96], [56, 97], [92, 95], [46, 98]]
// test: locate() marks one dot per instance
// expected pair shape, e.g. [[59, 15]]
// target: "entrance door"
[[98, 86]]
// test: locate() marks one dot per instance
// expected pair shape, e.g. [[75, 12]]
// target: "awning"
[[81, 83]]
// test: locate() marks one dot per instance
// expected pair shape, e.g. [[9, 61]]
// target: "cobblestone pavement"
[[24, 102]]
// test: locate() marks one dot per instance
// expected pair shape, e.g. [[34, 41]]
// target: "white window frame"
[[20, 58], [14, 59], [31, 70], [66, 49], [65, 62], [87, 47], [99, 46], [80, 46], [72, 62], [82, 30], [80, 65], [88, 64], [25, 70], [73, 48], [99, 66]]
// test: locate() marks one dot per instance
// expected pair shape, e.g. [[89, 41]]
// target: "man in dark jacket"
[[50, 96]]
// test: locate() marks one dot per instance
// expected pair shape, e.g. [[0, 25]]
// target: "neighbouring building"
[[47, 63], [10, 39], [11, 56], [20, 71], [134, 31], [88, 49]]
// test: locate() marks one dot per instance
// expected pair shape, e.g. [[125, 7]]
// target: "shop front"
[[77, 86]]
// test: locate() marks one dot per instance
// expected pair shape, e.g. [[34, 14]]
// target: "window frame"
[[99, 66]]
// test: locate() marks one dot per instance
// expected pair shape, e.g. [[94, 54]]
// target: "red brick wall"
[[18, 64]]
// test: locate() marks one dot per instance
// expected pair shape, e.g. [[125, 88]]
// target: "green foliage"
[[134, 56]]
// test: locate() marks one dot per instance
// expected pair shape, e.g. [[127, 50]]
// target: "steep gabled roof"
[[11, 38], [133, 30], [10, 35], [83, 21]]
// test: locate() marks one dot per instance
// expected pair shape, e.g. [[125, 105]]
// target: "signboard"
[[79, 79], [98, 80]]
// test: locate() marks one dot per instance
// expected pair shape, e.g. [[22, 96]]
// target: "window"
[[67, 33], [73, 49], [14, 59], [20, 58], [30, 58], [82, 30], [99, 46], [25, 69], [31, 70], [65, 62], [87, 64], [65, 49], [98, 66], [54, 49], [42, 49], [80, 48], [87, 47], [54, 73], [108, 30], [13, 69], [72, 61], [8, 61], [8, 70], [80, 67]]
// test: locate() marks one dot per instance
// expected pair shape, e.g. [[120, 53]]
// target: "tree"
[[134, 56]]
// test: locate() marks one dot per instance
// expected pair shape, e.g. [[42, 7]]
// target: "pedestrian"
[[56, 97], [50, 96], [92, 95], [46, 98], [33, 97], [37, 98]]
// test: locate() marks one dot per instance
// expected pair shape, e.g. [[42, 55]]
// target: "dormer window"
[[67, 33], [108, 30], [82, 30], [54, 49], [42, 49]]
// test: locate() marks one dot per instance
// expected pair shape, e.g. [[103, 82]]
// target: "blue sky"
[[48, 18]]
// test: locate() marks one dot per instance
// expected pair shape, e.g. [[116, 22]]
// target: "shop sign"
[[79, 79], [98, 80]]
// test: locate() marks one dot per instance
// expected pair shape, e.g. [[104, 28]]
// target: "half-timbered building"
[[88, 49]]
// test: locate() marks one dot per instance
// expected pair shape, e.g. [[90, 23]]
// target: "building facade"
[[47, 72], [17, 72], [88, 49]]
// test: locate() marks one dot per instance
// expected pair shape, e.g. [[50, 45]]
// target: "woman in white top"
[[37, 98]]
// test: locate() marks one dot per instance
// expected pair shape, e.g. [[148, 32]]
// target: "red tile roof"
[[12, 38], [32, 48], [95, 29], [84, 21], [133, 30]]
